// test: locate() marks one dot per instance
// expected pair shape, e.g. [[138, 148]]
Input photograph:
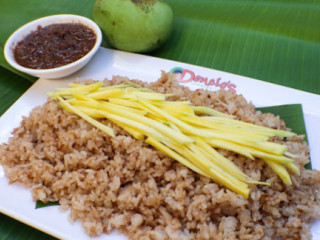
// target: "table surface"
[[276, 41]]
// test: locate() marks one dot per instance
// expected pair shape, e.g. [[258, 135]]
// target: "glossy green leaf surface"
[[40, 204], [11, 229], [12, 87]]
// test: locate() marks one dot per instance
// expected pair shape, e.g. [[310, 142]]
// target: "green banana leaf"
[[276, 41], [11, 87], [11, 229]]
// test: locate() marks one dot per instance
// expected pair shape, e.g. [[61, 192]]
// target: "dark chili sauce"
[[55, 45]]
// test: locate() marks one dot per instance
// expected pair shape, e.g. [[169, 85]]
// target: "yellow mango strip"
[[113, 86], [202, 122], [177, 108], [173, 103], [258, 182], [280, 171], [204, 164], [83, 97], [230, 146], [93, 113], [212, 170], [274, 158], [140, 88], [219, 175], [274, 148], [77, 85], [245, 141], [134, 94], [106, 94], [136, 85], [245, 150], [186, 128], [165, 130], [135, 133], [156, 118], [210, 111], [265, 156], [178, 114], [290, 155], [80, 89], [219, 160], [122, 108], [156, 144], [294, 168], [146, 130], [96, 114], [229, 181], [84, 103], [173, 126], [73, 85], [225, 163], [55, 95], [90, 120], [234, 122], [264, 134], [234, 137], [133, 90], [100, 105], [125, 102]]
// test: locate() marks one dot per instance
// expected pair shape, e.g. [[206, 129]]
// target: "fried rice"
[[126, 185]]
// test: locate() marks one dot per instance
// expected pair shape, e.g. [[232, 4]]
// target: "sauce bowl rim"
[[20, 33]]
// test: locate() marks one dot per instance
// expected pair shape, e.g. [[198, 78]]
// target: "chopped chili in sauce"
[[55, 45]]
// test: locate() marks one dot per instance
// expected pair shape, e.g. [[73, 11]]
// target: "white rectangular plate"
[[16, 201]]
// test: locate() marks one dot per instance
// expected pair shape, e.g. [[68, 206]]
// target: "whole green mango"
[[134, 25]]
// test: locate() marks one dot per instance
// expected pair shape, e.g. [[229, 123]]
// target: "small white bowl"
[[57, 72]]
